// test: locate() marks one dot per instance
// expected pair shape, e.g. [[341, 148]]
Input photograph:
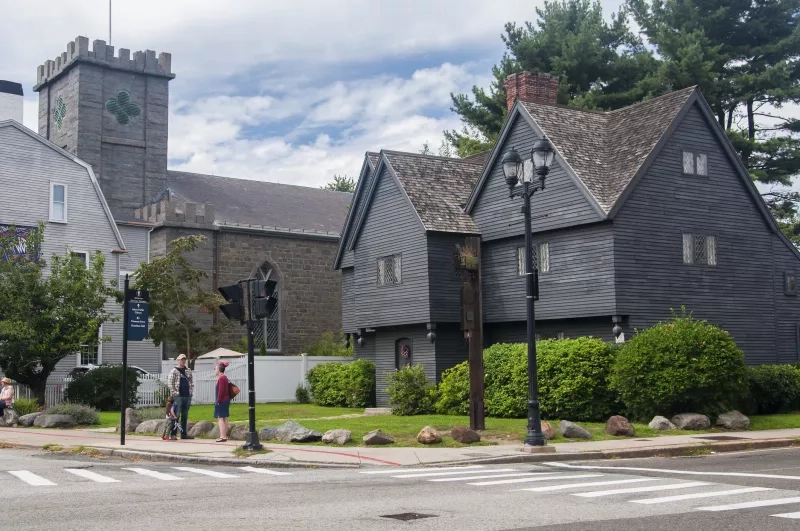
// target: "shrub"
[[301, 394], [100, 388], [151, 413], [774, 388], [454, 391], [329, 344], [343, 384], [83, 415], [410, 392], [26, 406], [684, 365]]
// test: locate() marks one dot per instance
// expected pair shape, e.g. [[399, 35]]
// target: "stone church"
[[111, 110]]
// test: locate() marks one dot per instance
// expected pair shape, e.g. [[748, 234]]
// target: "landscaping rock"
[[619, 426], [570, 430], [465, 435], [54, 421], [268, 433], [27, 420], [548, 431], [132, 420], [428, 435], [11, 417], [294, 432], [376, 437], [339, 436], [691, 421], [733, 420], [201, 428], [3, 423], [661, 424], [238, 432], [152, 426]]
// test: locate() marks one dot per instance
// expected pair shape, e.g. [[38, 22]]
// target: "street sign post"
[[135, 328]]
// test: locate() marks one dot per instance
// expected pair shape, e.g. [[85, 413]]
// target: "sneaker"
[[173, 438]]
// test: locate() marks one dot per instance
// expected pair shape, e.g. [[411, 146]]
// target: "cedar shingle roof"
[[606, 149], [374, 158]]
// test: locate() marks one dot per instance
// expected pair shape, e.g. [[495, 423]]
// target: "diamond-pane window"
[[688, 162], [702, 164], [390, 270], [700, 254], [695, 163], [790, 283], [699, 249], [520, 260], [711, 250], [541, 258], [688, 249]]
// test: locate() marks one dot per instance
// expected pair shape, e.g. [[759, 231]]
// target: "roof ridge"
[[656, 98], [423, 155], [254, 181]]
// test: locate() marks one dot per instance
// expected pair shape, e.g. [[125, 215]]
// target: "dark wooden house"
[[647, 209]]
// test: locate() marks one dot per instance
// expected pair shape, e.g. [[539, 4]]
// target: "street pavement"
[[736, 491]]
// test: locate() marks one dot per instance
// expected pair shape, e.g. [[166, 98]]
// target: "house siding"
[[517, 331], [445, 282], [451, 347], [348, 321], [423, 353]]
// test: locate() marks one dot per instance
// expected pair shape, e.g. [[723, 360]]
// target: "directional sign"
[[137, 314]]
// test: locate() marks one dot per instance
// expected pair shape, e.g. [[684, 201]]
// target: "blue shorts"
[[222, 410]]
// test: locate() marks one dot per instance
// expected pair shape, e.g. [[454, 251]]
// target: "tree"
[[47, 314], [341, 183], [178, 299], [444, 149]]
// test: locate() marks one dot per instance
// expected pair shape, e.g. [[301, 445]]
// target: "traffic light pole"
[[252, 444], [124, 393]]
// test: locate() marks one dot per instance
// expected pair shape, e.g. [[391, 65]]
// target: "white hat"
[[181, 357]]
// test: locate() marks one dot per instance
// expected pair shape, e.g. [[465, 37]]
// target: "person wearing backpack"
[[222, 403]]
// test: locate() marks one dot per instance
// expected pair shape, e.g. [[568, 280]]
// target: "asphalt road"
[[745, 491]]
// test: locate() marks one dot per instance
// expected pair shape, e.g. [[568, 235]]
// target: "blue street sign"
[[137, 320]]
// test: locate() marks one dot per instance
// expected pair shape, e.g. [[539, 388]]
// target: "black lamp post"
[[542, 156]]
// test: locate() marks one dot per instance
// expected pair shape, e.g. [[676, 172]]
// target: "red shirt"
[[222, 389]]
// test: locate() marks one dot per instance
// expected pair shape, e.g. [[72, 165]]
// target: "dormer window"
[[695, 163]]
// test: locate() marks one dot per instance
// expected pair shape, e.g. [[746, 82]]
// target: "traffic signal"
[[234, 309], [264, 299]]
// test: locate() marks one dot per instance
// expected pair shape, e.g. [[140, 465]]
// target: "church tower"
[[111, 111]]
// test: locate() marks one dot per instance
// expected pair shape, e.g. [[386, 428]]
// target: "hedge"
[[774, 389], [100, 388], [410, 391], [343, 384]]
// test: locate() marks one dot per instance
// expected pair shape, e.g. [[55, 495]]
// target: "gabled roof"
[[369, 165], [86, 166]]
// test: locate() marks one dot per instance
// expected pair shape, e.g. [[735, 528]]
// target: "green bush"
[[343, 384], [151, 413], [774, 388], [410, 392], [329, 344], [83, 415], [301, 394], [26, 406], [454, 391], [100, 388], [684, 365]]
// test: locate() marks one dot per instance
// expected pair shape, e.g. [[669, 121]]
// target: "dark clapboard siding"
[[561, 204], [738, 294], [348, 256], [517, 331], [348, 294], [445, 283], [787, 307], [580, 282], [422, 352], [451, 347], [391, 226]]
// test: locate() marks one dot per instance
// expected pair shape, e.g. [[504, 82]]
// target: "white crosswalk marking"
[[87, 474], [453, 473], [154, 474], [472, 478], [671, 486], [396, 470], [540, 477], [750, 505], [680, 497], [30, 478], [204, 472], [588, 484], [793, 516], [264, 471]]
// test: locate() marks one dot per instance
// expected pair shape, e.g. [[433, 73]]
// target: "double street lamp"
[[541, 157]]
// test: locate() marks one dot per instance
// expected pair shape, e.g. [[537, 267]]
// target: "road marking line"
[[456, 472], [395, 471], [671, 486], [470, 478], [154, 474], [588, 484], [204, 472], [668, 471], [30, 478], [734, 492], [750, 505], [793, 516], [264, 471], [87, 474], [542, 477]]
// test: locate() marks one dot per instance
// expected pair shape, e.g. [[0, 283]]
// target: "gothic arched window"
[[267, 331]]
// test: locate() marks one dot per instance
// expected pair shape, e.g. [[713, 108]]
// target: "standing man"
[[181, 385]]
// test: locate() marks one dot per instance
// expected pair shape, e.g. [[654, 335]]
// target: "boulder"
[[11, 417], [201, 428], [27, 420], [733, 420], [294, 432], [3, 423], [548, 431], [268, 433], [339, 436], [132, 420], [152, 426], [376, 437], [570, 430], [661, 424], [465, 435], [428, 435], [691, 421], [619, 426], [54, 421], [238, 432]]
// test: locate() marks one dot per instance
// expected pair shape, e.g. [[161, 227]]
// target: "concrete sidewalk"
[[208, 451]]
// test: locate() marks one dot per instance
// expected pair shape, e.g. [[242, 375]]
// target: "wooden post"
[[476, 406]]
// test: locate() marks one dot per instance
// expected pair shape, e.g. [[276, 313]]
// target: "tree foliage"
[[341, 183], [48, 312]]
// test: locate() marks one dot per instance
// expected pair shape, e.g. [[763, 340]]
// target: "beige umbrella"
[[220, 353]]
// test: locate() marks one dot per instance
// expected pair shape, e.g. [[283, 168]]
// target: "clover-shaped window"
[[123, 109], [59, 113]]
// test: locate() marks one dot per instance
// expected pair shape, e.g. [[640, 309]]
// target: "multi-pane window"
[[390, 270], [549, 335], [695, 163], [90, 352], [80, 256], [58, 202], [790, 283], [699, 249], [541, 258]]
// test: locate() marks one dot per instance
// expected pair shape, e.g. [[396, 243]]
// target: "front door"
[[403, 353]]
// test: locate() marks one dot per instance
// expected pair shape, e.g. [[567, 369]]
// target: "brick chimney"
[[537, 88]]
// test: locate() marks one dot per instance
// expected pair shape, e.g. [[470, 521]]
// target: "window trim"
[[538, 247], [85, 254], [694, 235], [380, 282], [53, 184], [695, 154], [786, 290]]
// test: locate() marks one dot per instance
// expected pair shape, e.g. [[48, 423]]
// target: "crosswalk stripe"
[[264, 471], [671, 486], [588, 484], [204, 472], [30, 478], [793, 516], [750, 505], [87, 474], [395, 471], [540, 477], [153, 474], [680, 497], [454, 473], [472, 478], [669, 471]]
